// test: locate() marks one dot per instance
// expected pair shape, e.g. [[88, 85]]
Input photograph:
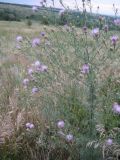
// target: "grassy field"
[[83, 101]]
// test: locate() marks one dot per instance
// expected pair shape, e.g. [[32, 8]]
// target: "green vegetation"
[[49, 16], [59, 87]]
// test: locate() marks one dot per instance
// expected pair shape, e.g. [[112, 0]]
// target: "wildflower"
[[114, 40], [19, 38], [29, 125], [85, 69], [42, 68], [116, 108], [69, 137], [35, 42], [95, 32], [35, 90], [37, 64], [26, 82], [109, 142], [85, 29], [42, 34], [34, 9], [30, 71], [60, 124], [117, 22], [106, 28]]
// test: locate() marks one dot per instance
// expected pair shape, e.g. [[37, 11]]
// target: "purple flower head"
[[42, 68], [35, 42], [42, 34], [95, 32], [116, 108], [30, 71], [114, 39], [109, 142], [85, 29], [35, 90], [85, 69], [34, 9], [37, 64], [26, 82], [69, 137], [29, 125], [61, 124], [106, 28], [19, 38], [117, 22]]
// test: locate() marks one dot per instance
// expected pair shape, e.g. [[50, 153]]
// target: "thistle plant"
[[69, 91]]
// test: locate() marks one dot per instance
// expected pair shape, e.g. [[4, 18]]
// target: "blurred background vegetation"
[[49, 16]]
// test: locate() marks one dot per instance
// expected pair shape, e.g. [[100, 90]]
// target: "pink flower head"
[[69, 138], [61, 124], [109, 142], [114, 39], [116, 108], [95, 32], [34, 9], [35, 42], [117, 22], [26, 82], [35, 90], [19, 38], [29, 125], [85, 69]]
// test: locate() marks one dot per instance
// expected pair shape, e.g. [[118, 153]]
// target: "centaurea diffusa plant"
[[71, 83], [70, 80]]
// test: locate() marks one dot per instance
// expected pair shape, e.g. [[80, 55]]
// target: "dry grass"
[[18, 106]]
